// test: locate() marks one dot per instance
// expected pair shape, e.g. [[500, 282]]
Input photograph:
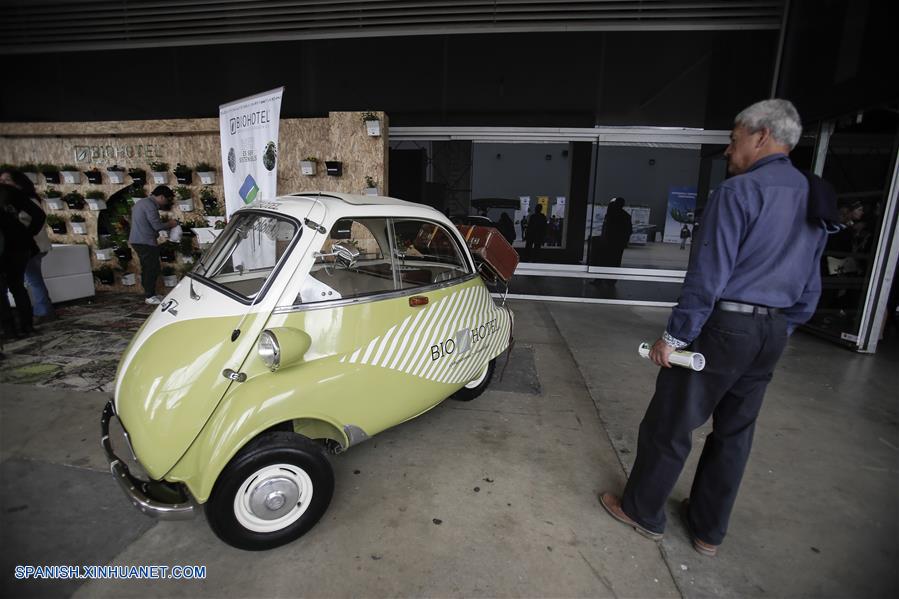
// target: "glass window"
[[333, 276], [247, 252], [426, 254]]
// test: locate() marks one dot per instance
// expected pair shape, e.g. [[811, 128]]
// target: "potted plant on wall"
[[185, 201], [183, 174], [94, 176], [169, 278], [167, 251], [307, 165], [372, 124], [56, 223], [105, 275], [129, 279], [74, 200], [116, 174], [213, 213], [138, 176], [105, 249], [210, 202], [159, 172], [70, 174], [50, 173], [79, 227], [30, 171], [206, 172], [371, 187], [96, 199], [53, 198], [334, 168]]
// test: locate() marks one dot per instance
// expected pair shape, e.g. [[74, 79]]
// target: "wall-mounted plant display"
[[53, 198], [94, 176], [160, 172], [50, 173], [183, 174], [167, 251], [206, 172], [138, 176], [334, 168], [372, 124], [105, 249], [56, 223], [307, 165], [74, 200], [105, 275], [184, 201], [169, 276], [30, 171], [129, 279], [79, 227], [123, 252], [96, 199], [116, 174], [70, 174], [371, 187]]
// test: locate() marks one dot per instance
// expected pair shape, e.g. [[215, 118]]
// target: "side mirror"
[[345, 253]]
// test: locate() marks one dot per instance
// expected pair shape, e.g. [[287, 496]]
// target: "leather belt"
[[729, 306]]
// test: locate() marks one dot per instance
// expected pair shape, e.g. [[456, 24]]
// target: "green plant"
[[183, 192], [369, 116], [182, 170], [104, 243], [93, 170], [7, 167], [52, 192], [137, 173], [310, 159], [212, 209], [369, 182], [168, 271], [74, 199], [115, 168], [159, 167], [105, 274], [28, 168], [219, 225], [95, 194], [207, 194], [186, 246], [76, 218], [47, 168], [54, 220], [204, 167], [68, 167]]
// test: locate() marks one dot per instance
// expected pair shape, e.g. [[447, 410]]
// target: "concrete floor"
[[496, 497]]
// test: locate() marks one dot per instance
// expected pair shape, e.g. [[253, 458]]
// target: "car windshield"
[[247, 252]]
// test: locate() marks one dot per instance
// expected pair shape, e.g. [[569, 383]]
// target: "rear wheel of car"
[[272, 492], [477, 386]]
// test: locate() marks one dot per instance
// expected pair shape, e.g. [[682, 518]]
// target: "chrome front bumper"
[[155, 498]]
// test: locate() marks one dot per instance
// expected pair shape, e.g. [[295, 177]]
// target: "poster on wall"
[[249, 136], [681, 212]]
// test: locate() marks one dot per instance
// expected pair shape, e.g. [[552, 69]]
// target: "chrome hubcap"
[[274, 497]]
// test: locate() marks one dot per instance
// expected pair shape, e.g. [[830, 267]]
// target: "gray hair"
[[778, 116]]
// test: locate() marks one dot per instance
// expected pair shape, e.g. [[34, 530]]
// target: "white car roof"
[[346, 205]]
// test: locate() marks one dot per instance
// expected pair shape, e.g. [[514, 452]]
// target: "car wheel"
[[272, 492], [477, 386]]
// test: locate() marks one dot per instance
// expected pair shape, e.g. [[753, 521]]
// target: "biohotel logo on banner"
[[249, 138]]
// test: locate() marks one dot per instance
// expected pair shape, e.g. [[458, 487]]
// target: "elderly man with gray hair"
[[753, 278]]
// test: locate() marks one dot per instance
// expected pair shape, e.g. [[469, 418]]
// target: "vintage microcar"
[[311, 324]]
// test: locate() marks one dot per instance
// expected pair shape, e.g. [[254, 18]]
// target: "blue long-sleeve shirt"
[[755, 245], [145, 222]]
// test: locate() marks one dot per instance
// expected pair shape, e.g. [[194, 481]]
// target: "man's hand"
[[660, 352], [171, 224]]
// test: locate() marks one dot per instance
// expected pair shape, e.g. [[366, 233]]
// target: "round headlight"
[[269, 350]]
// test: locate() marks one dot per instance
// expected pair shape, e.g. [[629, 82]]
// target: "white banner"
[[249, 135]]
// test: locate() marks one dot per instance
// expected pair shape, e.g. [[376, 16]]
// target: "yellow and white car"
[[314, 322]]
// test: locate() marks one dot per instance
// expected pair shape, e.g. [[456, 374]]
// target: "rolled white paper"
[[684, 359]]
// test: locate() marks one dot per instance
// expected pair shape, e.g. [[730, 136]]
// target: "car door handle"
[[418, 300]]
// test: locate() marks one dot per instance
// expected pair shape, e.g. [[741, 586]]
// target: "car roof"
[[344, 205]]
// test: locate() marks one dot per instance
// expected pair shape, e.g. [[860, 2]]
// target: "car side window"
[[426, 253], [352, 262]]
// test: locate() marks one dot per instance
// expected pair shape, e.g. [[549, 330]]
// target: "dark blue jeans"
[[149, 266], [741, 351]]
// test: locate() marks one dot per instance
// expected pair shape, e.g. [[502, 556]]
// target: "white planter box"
[[207, 177], [206, 234], [213, 220], [307, 167], [160, 177], [55, 203], [186, 205], [105, 254], [370, 191], [117, 177], [32, 177], [71, 177], [170, 280], [373, 128], [129, 279], [79, 228], [96, 204]]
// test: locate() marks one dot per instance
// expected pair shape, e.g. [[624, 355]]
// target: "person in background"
[[684, 236], [616, 232], [753, 278], [17, 249], [506, 227], [536, 232], [34, 277], [145, 228]]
